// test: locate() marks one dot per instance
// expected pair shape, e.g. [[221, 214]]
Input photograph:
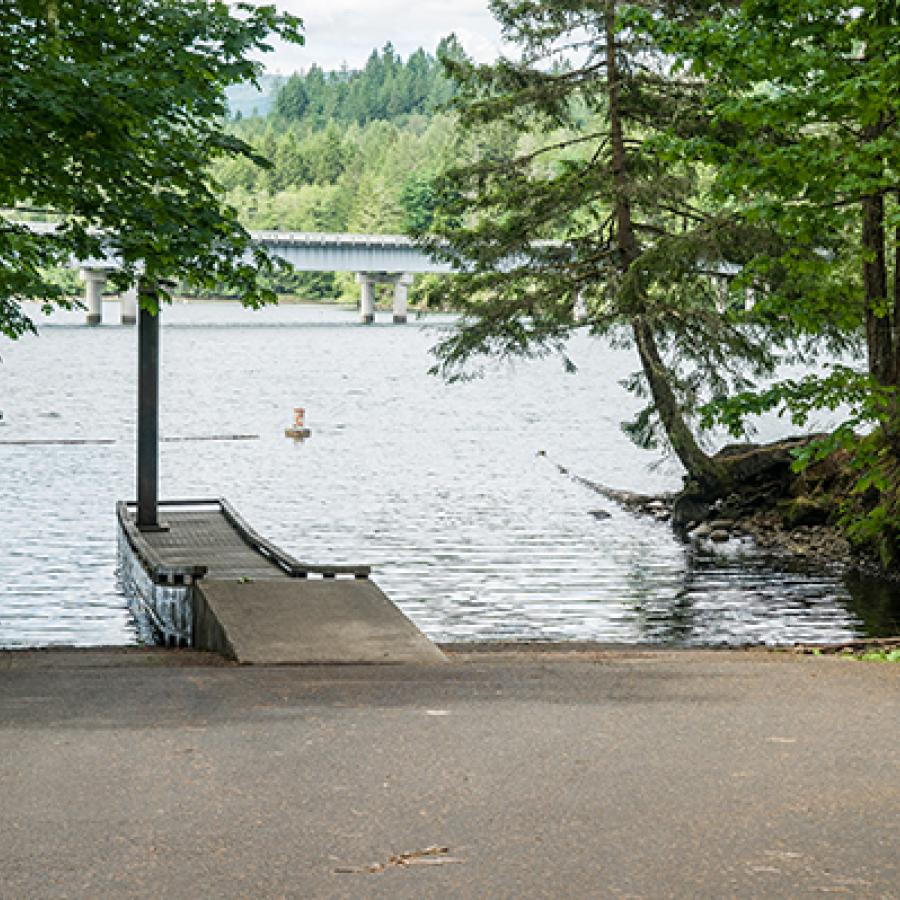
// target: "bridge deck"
[[206, 538]]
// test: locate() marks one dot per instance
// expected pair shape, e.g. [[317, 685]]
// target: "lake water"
[[440, 488]]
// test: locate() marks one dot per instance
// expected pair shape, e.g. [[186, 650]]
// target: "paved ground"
[[627, 774]]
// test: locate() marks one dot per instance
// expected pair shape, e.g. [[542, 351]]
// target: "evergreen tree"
[[291, 165], [292, 101], [594, 216], [328, 156]]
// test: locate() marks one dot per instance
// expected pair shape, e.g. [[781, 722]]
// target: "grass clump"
[[889, 656]]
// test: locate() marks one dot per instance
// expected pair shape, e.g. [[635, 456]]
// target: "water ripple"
[[439, 487]]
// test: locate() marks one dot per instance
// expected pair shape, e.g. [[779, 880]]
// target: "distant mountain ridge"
[[248, 100]]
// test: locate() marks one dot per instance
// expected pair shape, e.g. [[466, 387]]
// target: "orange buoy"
[[298, 431]]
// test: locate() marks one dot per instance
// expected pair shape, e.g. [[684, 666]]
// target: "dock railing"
[[284, 561], [163, 573]]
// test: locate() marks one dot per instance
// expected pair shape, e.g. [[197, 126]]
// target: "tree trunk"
[[625, 236], [700, 466], [879, 324], [896, 380], [892, 427], [882, 312]]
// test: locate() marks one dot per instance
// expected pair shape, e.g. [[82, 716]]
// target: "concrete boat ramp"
[[204, 578]]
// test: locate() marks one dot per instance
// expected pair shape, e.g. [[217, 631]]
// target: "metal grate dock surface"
[[206, 538]]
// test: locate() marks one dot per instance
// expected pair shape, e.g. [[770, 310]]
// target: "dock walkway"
[[206, 579], [206, 538]]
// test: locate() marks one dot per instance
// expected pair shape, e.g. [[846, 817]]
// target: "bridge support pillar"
[[94, 282], [579, 309], [128, 303], [367, 284], [401, 295], [749, 299]]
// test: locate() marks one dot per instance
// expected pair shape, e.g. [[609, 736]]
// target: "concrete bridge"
[[375, 258]]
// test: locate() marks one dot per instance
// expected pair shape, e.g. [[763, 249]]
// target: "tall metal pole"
[[148, 421]]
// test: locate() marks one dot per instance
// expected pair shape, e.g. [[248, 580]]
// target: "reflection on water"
[[439, 487]]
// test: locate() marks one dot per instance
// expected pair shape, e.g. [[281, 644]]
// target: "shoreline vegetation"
[[345, 301], [706, 222]]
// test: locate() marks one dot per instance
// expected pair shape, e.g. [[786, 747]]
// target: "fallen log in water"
[[659, 506]]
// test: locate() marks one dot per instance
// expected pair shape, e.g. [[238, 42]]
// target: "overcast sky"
[[346, 31]]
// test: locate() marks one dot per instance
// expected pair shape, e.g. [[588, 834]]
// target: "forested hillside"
[[386, 88], [357, 151], [351, 151]]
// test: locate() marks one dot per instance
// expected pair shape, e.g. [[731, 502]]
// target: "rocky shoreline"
[[729, 520]]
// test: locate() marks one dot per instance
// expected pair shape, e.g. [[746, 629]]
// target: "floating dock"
[[205, 579]]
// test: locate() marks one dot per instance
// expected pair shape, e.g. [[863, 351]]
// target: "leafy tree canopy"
[[110, 111], [804, 103], [804, 106]]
